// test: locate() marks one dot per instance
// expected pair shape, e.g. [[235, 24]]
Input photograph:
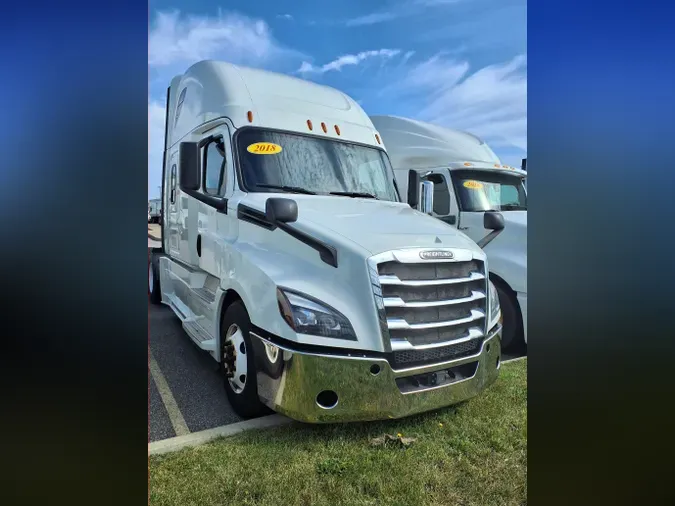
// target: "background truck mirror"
[[189, 166], [413, 188], [493, 220], [427, 197], [280, 210]]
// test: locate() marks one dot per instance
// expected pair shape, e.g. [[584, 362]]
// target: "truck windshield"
[[480, 190], [274, 161]]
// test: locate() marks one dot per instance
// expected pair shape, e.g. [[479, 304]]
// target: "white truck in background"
[[469, 179], [290, 258], [154, 210]]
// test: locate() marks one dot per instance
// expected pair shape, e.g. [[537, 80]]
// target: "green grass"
[[474, 453]]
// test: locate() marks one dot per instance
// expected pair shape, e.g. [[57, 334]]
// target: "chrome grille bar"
[[401, 324], [395, 280], [399, 302], [404, 344]]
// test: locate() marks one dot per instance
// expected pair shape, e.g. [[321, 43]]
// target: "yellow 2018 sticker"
[[264, 148], [473, 185]]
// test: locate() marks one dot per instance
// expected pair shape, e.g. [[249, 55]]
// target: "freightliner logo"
[[436, 254]]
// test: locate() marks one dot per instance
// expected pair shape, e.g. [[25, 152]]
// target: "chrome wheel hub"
[[234, 358]]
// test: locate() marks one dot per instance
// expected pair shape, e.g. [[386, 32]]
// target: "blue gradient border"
[[601, 97], [73, 189]]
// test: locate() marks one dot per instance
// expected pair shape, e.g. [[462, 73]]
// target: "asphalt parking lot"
[[186, 390], [186, 393]]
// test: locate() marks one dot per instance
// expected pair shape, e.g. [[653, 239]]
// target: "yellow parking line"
[[175, 416]]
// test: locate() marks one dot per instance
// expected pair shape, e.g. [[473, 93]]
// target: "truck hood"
[[374, 225]]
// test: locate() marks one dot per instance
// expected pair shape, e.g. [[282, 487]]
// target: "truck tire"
[[154, 291], [512, 332], [237, 358]]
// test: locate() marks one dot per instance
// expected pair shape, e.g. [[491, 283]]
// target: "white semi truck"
[[469, 179], [289, 256], [154, 210]]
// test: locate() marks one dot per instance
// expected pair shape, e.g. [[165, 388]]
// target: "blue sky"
[[457, 63]]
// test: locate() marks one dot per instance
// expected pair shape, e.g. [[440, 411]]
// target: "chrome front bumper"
[[291, 385]]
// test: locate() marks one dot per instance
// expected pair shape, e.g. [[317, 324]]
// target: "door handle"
[[199, 245]]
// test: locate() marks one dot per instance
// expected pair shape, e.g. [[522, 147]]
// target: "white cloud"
[[348, 59], [491, 102], [175, 38], [407, 56], [434, 3], [373, 18], [399, 10], [285, 16]]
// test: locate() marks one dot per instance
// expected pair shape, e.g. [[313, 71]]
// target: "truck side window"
[[214, 165], [172, 196], [441, 194]]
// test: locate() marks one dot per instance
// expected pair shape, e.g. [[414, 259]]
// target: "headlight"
[[495, 309], [306, 315]]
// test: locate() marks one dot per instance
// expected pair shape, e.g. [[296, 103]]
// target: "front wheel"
[[512, 332], [153, 283], [238, 363]]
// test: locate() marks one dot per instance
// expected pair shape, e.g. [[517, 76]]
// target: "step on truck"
[[290, 257], [469, 179]]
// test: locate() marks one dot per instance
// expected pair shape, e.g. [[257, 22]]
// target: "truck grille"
[[413, 358], [433, 311]]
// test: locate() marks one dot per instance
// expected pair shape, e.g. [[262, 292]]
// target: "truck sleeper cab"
[[289, 257], [469, 179]]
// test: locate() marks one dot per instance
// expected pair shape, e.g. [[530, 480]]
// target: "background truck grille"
[[430, 303]]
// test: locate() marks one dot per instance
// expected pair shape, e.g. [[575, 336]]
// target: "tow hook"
[[432, 379], [228, 360], [427, 380]]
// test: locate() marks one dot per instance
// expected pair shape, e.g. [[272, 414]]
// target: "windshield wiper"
[[355, 194], [513, 207], [291, 189]]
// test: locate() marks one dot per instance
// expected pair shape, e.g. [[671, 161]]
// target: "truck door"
[[445, 205], [171, 232], [217, 181]]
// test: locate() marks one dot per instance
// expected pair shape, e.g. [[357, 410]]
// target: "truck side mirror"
[[413, 188], [493, 221], [427, 197], [281, 210], [189, 166]]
